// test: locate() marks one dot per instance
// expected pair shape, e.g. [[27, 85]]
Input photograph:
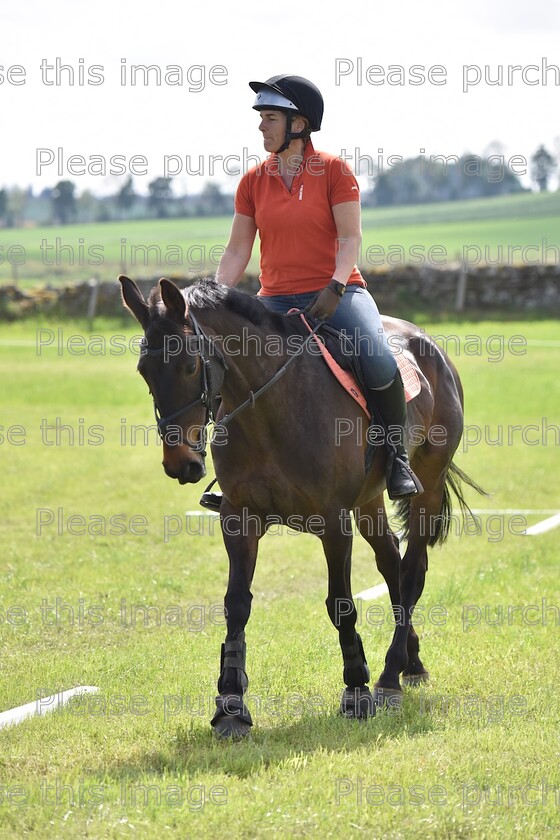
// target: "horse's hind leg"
[[374, 527], [403, 651], [357, 701]]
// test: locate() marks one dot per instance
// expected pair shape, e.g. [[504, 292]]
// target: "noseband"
[[207, 385]]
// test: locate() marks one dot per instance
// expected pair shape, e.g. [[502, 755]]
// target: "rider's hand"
[[325, 304]]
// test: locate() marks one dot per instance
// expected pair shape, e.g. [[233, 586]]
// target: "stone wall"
[[505, 289]]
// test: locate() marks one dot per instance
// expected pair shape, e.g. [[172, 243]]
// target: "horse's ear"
[[173, 300], [133, 299]]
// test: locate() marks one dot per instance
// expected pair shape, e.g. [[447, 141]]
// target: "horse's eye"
[[189, 365]]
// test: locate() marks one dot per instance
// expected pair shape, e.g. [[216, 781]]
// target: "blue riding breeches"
[[358, 317]]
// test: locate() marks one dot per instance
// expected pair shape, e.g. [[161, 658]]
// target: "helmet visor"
[[267, 98]]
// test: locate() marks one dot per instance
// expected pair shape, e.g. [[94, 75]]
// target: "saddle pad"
[[409, 375]]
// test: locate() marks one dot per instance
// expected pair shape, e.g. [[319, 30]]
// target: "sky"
[[220, 46]]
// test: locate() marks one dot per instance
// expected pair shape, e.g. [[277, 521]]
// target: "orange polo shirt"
[[296, 227]]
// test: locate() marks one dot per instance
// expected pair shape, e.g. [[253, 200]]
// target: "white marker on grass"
[[373, 593], [42, 705], [542, 527]]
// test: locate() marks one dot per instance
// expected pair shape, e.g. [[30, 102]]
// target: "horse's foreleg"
[[241, 536], [357, 701]]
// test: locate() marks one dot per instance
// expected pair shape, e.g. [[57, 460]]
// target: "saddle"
[[339, 354]]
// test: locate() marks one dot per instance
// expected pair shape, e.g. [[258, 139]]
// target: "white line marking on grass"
[[514, 510], [42, 705], [373, 593], [534, 511], [211, 513], [542, 527]]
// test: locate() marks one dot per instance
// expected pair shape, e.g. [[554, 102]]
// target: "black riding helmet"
[[293, 95]]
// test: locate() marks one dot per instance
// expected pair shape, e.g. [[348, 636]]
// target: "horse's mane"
[[209, 294]]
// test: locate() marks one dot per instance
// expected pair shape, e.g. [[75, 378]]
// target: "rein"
[[206, 396], [254, 395]]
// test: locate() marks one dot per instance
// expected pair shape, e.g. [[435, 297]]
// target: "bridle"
[[207, 394], [207, 385]]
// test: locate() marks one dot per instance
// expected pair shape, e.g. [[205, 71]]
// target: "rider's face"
[[273, 127]]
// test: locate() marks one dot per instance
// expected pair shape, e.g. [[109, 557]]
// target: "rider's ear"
[[173, 299], [133, 299]]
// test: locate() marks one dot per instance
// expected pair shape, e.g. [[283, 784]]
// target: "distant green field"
[[474, 754], [492, 230]]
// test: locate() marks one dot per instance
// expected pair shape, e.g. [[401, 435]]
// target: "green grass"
[[458, 760], [515, 206], [500, 227]]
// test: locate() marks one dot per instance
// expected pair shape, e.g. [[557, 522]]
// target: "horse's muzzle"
[[187, 470]]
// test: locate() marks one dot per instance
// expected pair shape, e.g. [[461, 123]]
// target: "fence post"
[[461, 290], [92, 301]]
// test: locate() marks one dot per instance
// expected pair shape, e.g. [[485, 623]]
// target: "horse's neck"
[[253, 353]]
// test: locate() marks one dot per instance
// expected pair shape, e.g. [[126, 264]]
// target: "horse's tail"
[[439, 529]]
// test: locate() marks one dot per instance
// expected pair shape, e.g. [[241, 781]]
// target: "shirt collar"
[[271, 163]]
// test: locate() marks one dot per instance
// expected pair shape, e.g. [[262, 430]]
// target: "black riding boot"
[[391, 405]]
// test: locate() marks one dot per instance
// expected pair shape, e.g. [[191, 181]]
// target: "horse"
[[282, 454]]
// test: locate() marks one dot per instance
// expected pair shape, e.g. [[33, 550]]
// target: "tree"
[[64, 201], [439, 178], [3, 203], [160, 196], [87, 205], [542, 166], [126, 196], [213, 202], [17, 202]]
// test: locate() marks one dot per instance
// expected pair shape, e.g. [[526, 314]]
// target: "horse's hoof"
[[387, 699], [416, 679], [230, 727], [232, 718], [357, 703]]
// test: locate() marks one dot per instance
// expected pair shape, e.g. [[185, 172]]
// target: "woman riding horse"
[[305, 205]]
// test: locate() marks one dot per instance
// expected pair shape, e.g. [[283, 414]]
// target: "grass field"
[[492, 230], [474, 754]]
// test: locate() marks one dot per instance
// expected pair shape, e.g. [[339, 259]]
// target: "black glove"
[[325, 304]]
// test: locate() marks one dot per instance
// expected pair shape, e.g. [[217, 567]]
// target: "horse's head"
[[183, 372]]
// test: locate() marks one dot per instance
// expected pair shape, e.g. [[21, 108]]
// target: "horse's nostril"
[[196, 471], [188, 472]]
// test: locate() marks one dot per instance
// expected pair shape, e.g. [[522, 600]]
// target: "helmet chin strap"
[[289, 135]]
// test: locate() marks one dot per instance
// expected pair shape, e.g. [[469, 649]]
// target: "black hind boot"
[[391, 405]]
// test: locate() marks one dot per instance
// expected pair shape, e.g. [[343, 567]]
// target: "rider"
[[306, 207]]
